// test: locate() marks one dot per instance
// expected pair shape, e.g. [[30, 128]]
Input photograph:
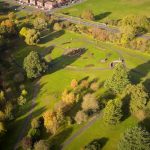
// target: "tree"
[[119, 79], [41, 145], [32, 37], [2, 128], [74, 83], [81, 117], [90, 103], [93, 145], [8, 28], [57, 27], [113, 112], [26, 143], [136, 21], [135, 138], [139, 97], [35, 123], [39, 23], [68, 97], [52, 121], [21, 100], [34, 65], [87, 14], [24, 31], [12, 16]]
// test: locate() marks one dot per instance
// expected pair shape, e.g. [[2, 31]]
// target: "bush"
[[90, 103], [135, 138], [74, 83], [21, 100], [87, 14], [19, 77], [93, 145], [81, 117], [2, 128], [34, 134], [84, 84], [39, 23], [35, 123], [27, 143], [112, 112], [2, 116], [94, 86], [57, 27], [24, 92], [41, 145]]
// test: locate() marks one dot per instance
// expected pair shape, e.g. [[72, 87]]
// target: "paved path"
[[80, 131], [28, 119]]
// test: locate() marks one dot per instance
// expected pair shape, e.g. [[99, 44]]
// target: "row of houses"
[[47, 4]]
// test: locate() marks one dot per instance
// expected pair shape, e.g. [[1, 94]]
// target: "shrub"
[[41, 145], [24, 92], [94, 86], [21, 100], [93, 145], [34, 65], [113, 112], [2, 128], [34, 134], [81, 117], [57, 27], [135, 138], [39, 23], [2, 116], [84, 84], [19, 77], [90, 103], [74, 83], [87, 14], [27, 143], [35, 123]]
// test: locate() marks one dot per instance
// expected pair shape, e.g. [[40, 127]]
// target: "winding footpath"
[[80, 131], [29, 117]]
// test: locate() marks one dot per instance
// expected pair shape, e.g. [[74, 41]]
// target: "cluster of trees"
[[33, 140], [133, 96], [8, 29], [32, 36], [131, 28]]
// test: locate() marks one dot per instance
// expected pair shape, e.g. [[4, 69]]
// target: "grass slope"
[[111, 9]]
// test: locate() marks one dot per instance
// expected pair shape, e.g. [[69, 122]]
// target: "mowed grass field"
[[52, 84], [111, 9]]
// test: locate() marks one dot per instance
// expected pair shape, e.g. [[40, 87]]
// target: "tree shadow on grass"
[[62, 61], [57, 140], [102, 15], [51, 36], [140, 72]]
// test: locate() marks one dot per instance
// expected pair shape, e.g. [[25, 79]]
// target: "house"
[[50, 4], [40, 3], [33, 2]]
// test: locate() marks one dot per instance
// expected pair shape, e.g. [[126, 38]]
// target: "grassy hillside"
[[111, 9]]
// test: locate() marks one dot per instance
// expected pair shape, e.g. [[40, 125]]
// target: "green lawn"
[[54, 82], [111, 9], [110, 135]]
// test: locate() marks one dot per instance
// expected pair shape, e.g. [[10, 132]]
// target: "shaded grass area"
[[100, 130], [111, 9]]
